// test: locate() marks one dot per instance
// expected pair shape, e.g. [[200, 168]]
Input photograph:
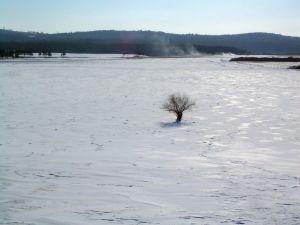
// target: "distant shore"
[[295, 67], [265, 59]]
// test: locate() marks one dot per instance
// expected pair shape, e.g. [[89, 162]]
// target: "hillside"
[[150, 43]]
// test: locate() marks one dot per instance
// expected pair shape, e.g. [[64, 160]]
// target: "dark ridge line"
[[265, 59]]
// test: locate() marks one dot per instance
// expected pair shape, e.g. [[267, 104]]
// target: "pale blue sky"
[[176, 16]]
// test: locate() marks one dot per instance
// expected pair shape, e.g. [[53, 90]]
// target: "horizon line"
[[141, 30]]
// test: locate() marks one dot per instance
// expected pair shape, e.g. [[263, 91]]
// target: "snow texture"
[[83, 140]]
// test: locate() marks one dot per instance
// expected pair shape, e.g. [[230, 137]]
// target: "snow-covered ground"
[[83, 141]]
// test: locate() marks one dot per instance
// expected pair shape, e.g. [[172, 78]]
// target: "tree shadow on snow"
[[174, 124]]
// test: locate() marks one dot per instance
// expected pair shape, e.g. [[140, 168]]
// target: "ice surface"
[[83, 141]]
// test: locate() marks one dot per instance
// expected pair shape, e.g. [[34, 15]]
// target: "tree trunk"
[[179, 117]]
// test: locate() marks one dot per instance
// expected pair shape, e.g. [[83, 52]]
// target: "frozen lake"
[[83, 140]]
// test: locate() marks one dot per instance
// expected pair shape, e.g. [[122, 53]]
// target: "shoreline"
[[265, 59]]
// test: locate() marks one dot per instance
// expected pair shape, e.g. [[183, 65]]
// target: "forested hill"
[[149, 43]]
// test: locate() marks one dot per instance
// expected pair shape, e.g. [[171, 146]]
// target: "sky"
[[174, 16]]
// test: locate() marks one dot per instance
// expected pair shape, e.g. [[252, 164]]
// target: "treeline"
[[154, 43], [295, 67], [17, 53], [266, 59], [105, 47], [14, 53], [111, 42]]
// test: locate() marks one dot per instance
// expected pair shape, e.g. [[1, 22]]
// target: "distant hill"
[[149, 43]]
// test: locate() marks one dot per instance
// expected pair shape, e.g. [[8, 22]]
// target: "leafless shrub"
[[178, 103]]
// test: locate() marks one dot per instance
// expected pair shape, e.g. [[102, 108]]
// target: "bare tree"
[[178, 103]]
